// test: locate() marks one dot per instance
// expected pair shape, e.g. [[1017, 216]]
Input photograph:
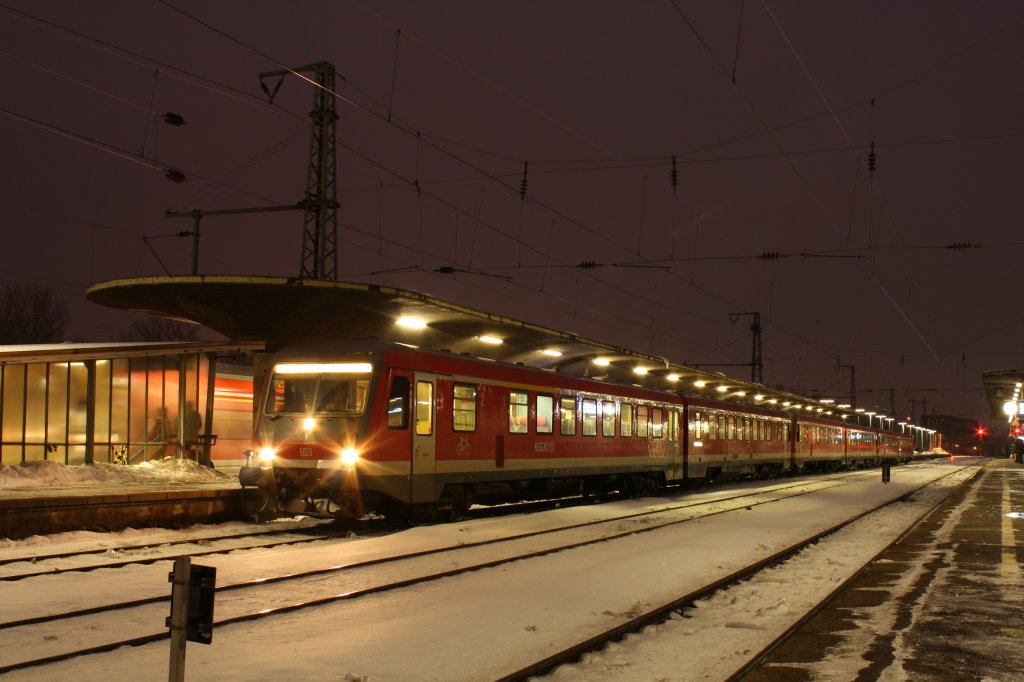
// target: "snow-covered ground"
[[41, 477], [484, 624]]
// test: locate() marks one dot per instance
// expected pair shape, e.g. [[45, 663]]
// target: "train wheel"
[[257, 504], [455, 503]]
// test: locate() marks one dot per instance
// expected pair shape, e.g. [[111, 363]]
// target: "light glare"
[[411, 322], [323, 368]]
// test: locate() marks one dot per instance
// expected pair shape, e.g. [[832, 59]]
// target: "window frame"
[[549, 428], [524, 407], [608, 425], [458, 407], [567, 427], [588, 420], [626, 420], [428, 406]]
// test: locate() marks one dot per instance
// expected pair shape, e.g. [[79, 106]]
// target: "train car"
[[818, 444], [725, 440], [370, 426], [232, 407], [862, 446], [895, 446]]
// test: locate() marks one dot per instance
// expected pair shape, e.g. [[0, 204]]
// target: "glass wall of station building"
[[143, 408]]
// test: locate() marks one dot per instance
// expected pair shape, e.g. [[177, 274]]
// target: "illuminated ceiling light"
[[844, 406], [552, 352], [722, 389], [818, 409], [859, 409], [323, 368], [699, 384], [828, 412], [786, 404], [673, 377], [601, 362], [308, 424], [411, 322], [1018, 385], [741, 393], [826, 401], [493, 340], [639, 370], [1009, 408], [773, 401], [758, 397]]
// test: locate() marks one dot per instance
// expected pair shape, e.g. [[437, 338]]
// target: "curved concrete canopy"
[[286, 312]]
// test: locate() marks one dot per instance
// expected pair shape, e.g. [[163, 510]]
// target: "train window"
[[607, 418], [304, 393], [545, 407], [568, 406], [424, 408], [657, 423], [731, 423], [642, 422], [589, 417], [464, 407], [673, 425], [398, 403], [626, 420], [712, 427], [518, 409]]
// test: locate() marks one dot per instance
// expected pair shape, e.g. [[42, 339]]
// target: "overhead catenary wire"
[[422, 182]]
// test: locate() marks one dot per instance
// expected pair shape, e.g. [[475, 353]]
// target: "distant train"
[[371, 426]]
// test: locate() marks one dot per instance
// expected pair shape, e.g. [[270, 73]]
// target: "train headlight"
[[349, 455], [266, 454], [308, 423]]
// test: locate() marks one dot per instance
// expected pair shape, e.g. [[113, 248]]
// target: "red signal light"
[[981, 431]]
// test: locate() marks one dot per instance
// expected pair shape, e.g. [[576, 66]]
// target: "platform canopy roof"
[[80, 352], [286, 312]]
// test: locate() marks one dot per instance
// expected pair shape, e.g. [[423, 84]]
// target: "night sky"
[[768, 106]]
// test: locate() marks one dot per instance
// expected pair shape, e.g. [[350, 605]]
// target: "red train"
[[371, 426]]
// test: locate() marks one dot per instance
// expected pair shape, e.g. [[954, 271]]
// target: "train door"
[[676, 442], [424, 438]]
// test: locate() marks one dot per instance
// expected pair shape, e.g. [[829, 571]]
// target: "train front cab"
[[310, 429]]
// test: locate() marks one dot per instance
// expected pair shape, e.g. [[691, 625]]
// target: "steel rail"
[[757, 659], [664, 611], [287, 608]]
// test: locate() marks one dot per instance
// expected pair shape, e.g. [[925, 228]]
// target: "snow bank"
[[52, 474]]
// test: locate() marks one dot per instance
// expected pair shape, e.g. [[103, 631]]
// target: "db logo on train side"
[[305, 452]]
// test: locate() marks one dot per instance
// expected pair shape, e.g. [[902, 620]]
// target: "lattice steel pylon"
[[320, 205], [756, 363]]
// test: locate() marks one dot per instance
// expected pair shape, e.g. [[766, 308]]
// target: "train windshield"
[[319, 388]]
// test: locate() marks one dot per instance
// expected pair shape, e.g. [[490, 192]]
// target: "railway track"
[[360, 577], [34, 565], [663, 612]]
